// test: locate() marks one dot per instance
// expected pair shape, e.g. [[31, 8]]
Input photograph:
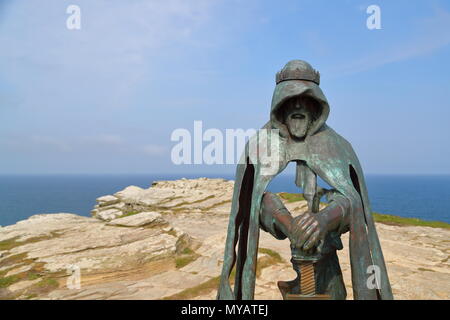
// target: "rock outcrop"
[[167, 242], [167, 196]]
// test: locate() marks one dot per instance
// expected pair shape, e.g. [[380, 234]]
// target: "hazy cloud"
[[154, 150], [433, 35]]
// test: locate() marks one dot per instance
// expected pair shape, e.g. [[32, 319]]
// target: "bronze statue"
[[298, 113]]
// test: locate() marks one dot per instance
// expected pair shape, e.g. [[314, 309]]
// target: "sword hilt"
[[307, 278]]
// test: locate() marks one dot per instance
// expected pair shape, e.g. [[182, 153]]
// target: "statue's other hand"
[[307, 231]]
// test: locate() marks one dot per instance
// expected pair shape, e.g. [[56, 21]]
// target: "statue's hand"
[[308, 230]]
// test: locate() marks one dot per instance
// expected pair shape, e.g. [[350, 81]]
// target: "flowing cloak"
[[324, 153]]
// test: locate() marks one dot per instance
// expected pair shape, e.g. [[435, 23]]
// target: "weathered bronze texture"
[[298, 114]]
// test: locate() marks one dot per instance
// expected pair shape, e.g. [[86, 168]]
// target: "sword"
[[303, 287]]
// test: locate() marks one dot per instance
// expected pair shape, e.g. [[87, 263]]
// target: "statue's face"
[[297, 118]]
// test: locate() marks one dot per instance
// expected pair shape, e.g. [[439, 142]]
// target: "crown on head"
[[298, 70]]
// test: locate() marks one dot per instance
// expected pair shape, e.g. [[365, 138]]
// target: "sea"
[[425, 197]]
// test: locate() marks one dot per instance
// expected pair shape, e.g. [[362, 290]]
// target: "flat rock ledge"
[[167, 242], [195, 195]]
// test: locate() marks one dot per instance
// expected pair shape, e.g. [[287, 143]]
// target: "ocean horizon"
[[426, 197]]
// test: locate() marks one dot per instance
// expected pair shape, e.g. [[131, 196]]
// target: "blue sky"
[[106, 98]]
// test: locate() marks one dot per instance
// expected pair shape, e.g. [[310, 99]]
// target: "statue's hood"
[[297, 79]]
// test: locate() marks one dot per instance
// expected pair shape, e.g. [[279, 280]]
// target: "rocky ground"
[[167, 241]]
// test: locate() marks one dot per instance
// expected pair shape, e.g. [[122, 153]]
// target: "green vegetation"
[[33, 275], [3, 272], [41, 288], [15, 259], [213, 283], [131, 213], [264, 262], [183, 261], [48, 283], [401, 221], [274, 255], [186, 256], [8, 244], [172, 233], [7, 281], [291, 197], [203, 288], [188, 251], [11, 243], [425, 269]]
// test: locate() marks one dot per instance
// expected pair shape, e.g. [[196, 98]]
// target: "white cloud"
[[104, 144], [34, 143], [106, 139], [120, 44]]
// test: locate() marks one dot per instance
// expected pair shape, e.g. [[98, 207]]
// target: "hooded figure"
[[298, 114]]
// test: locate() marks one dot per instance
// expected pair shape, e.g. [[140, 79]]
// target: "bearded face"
[[298, 117]]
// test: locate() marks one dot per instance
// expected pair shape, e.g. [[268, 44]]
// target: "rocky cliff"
[[167, 242]]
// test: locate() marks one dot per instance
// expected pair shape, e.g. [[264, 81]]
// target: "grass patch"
[[3, 272], [15, 259], [401, 221], [184, 261], [186, 256], [203, 288], [425, 269], [267, 261], [33, 275], [172, 233], [291, 197], [187, 251], [48, 283], [217, 205], [9, 244], [213, 283], [41, 288], [275, 255], [131, 213], [7, 281]]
